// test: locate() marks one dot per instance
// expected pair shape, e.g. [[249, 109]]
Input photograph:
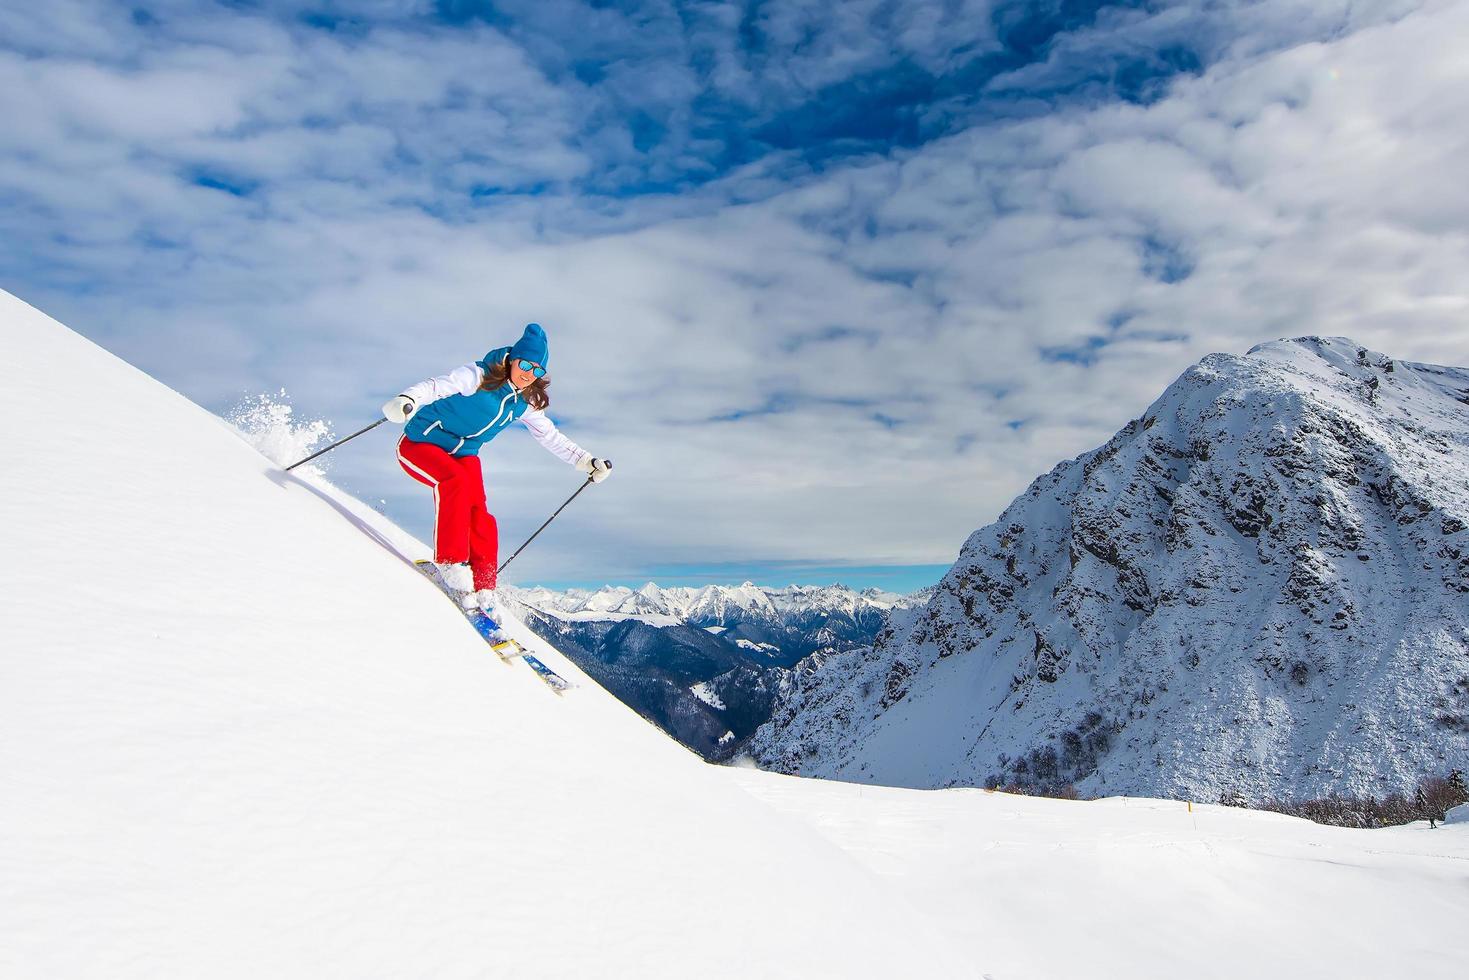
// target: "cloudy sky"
[[830, 282]]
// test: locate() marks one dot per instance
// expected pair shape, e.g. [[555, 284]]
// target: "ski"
[[553, 680], [506, 648]]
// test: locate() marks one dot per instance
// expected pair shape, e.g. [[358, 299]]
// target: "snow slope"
[[1141, 889], [241, 736], [1260, 587]]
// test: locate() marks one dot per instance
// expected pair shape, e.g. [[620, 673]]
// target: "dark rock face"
[[1257, 588]]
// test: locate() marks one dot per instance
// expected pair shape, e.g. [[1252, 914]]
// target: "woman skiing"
[[448, 419]]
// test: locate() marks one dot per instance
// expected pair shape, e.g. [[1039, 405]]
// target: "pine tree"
[[1421, 802]]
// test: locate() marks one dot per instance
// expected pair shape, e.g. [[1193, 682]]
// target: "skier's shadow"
[[286, 480]]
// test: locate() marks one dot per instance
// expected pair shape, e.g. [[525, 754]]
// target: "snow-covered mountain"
[[1260, 587], [704, 664], [716, 605]]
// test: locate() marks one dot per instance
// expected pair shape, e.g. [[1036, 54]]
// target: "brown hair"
[[497, 374]]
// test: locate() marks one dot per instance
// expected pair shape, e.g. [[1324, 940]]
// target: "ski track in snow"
[[240, 736]]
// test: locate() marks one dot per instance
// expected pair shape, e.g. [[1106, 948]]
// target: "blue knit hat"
[[532, 345]]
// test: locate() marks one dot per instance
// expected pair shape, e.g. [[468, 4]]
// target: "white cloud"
[[862, 364]]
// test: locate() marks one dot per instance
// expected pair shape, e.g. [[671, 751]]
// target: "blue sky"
[[830, 282]]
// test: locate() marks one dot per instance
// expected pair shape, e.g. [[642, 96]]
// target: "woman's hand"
[[398, 409], [597, 469]]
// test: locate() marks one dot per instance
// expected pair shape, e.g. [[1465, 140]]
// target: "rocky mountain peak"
[[1256, 587]]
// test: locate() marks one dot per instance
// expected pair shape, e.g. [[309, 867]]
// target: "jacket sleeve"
[[546, 433], [463, 380]]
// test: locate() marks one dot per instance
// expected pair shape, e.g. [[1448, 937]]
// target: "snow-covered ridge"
[[1260, 587], [712, 605], [240, 736]]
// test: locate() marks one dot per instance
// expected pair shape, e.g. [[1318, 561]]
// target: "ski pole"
[[548, 522], [335, 445]]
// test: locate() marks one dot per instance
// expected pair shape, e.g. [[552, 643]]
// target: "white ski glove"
[[398, 409], [597, 469]]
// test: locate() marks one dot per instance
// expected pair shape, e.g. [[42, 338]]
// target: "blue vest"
[[461, 424]]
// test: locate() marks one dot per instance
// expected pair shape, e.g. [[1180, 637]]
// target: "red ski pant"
[[464, 529]]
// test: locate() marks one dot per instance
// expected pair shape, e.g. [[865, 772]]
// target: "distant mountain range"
[[1258, 589], [704, 664]]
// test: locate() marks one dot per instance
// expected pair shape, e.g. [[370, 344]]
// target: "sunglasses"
[[532, 367]]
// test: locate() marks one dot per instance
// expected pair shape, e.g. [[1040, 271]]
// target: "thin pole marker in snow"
[[335, 445]]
